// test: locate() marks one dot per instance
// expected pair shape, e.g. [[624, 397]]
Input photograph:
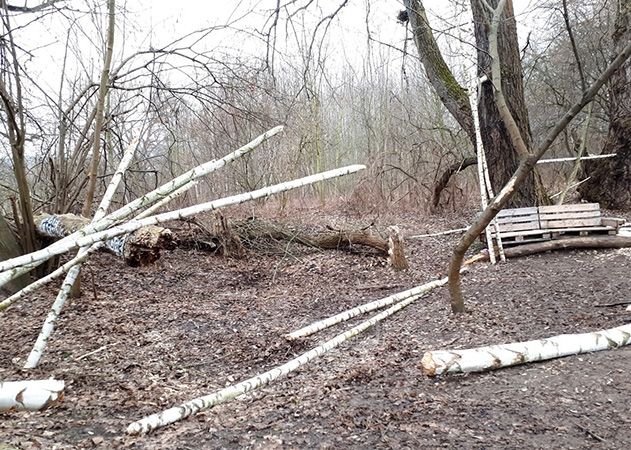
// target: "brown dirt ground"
[[194, 322]]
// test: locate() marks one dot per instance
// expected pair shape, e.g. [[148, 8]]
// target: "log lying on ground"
[[252, 233], [416, 292], [68, 243], [138, 248], [189, 408], [497, 356], [31, 395], [560, 244], [25, 263]]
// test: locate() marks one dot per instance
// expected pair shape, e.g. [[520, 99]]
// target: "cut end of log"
[[428, 365], [396, 251], [142, 247], [134, 429]]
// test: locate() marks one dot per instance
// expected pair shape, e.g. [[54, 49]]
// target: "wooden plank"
[[614, 222], [524, 233], [545, 224], [517, 212], [570, 215], [518, 226], [520, 219], [569, 208]]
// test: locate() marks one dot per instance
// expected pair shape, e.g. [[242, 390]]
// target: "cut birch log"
[[574, 158], [33, 395], [138, 248], [498, 356], [362, 309], [32, 260], [73, 274], [72, 242], [189, 408]]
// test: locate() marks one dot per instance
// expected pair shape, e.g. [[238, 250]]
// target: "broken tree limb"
[[440, 233], [362, 309], [450, 171], [189, 408], [498, 356], [33, 395], [36, 258], [562, 244], [66, 244]]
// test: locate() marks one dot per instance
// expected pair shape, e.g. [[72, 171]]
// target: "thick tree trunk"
[[9, 248], [453, 96], [610, 179], [138, 248], [502, 157]]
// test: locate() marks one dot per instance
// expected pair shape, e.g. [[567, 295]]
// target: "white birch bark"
[[189, 408], [497, 356], [81, 258], [6, 272], [483, 177], [72, 275], [575, 158], [176, 193], [65, 245], [32, 395], [417, 292]]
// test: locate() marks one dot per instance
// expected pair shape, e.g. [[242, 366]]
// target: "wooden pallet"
[[526, 225]]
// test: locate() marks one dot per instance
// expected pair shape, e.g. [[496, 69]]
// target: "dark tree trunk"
[[610, 182], [9, 248], [501, 155]]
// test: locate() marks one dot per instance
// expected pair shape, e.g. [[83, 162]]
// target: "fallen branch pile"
[[138, 240], [229, 237]]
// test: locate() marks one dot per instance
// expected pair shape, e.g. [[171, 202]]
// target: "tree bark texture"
[[453, 96], [9, 248], [502, 156], [137, 248], [30, 395], [610, 182]]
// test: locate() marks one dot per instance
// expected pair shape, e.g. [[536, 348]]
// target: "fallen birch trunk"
[[70, 243], [362, 309], [34, 259], [80, 258], [73, 274], [189, 408], [31, 395], [137, 248], [497, 356]]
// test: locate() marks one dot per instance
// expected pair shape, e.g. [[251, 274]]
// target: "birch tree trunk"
[[156, 195], [189, 408], [497, 356], [520, 175], [72, 241], [138, 248], [30, 395]]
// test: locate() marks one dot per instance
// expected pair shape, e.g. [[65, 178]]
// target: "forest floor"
[[194, 322]]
